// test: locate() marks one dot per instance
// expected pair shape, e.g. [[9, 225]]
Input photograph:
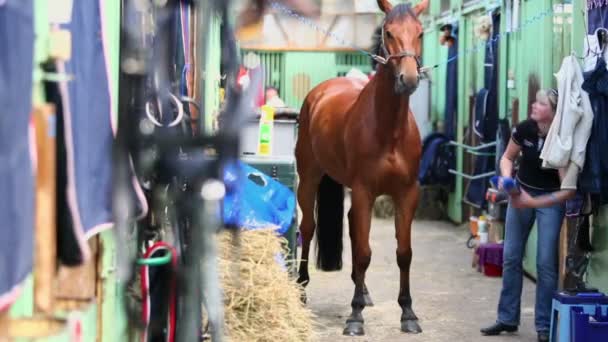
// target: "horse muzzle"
[[406, 85]]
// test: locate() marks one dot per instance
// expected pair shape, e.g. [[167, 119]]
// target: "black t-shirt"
[[530, 174]]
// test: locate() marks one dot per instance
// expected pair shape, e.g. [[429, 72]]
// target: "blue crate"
[[589, 327], [561, 312]]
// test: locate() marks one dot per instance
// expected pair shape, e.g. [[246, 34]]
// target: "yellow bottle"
[[266, 131]]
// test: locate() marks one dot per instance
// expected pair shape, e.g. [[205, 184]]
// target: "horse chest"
[[384, 172], [393, 166]]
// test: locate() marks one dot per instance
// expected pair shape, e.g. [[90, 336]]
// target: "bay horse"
[[363, 136]]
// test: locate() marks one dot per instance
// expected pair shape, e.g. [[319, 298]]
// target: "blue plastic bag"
[[254, 200]]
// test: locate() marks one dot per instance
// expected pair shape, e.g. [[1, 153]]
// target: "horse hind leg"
[[310, 175], [406, 207], [307, 192]]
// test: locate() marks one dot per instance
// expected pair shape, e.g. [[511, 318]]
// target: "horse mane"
[[376, 48], [398, 12]]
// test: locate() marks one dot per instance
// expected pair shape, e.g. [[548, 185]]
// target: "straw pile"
[[261, 302]]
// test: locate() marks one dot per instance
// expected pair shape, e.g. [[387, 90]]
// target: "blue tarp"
[[254, 200]]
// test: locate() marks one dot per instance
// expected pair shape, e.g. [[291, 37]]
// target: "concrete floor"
[[451, 299]]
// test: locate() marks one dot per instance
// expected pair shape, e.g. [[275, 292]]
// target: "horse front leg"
[[359, 223], [406, 204], [351, 224]]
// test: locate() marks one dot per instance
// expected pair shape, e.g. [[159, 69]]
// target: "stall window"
[[471, 2], [445, 5]]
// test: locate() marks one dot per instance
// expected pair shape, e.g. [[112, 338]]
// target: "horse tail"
[[330, 217]]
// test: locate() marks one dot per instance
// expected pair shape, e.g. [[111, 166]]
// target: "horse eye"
[[389, 34], [420, 36]]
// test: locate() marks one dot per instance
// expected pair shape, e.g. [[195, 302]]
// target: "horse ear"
[[421, 7], [385, 6]]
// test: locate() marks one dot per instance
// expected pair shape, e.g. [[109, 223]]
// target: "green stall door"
[[303, 71], [597, 274]]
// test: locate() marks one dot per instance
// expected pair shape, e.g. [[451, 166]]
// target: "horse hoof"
[[303, 297], [410, 326], [368, 300], [354, 329]]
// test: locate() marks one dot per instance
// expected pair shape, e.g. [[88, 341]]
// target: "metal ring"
[[151, 117], [180, 111], [191, 101], [178, 119]]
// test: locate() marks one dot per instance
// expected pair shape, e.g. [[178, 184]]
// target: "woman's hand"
[[523, 200]]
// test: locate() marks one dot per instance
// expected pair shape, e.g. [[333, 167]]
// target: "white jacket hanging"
[[571, 126]]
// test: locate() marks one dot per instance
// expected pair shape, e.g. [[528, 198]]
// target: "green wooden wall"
[[536, 49], [295, 73], [597, 273], [212, 73]]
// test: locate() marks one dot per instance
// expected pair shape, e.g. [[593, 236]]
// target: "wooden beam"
[[331, 28], [101, 282], [563, 253], [193, 71], [79, 283], [34, 327], [46, 209], [272, 48], [4, 322], [277, 19], [68, 305]]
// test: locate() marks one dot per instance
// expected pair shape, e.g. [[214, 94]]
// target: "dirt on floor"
[[451, 299]]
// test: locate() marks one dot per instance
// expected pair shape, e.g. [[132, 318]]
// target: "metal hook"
[[602, 34]]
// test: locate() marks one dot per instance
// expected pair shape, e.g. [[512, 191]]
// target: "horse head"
[[401, 43]]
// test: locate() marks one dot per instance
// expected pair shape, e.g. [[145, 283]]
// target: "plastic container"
[[482, 226], [509, 184], [473, 225], [492, 270], [585, 327], [561, 314], [483, 237]]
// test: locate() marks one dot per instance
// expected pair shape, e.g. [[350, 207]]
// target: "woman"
[[540, 199]]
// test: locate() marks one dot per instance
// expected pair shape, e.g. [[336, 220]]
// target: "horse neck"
[[391, 109]]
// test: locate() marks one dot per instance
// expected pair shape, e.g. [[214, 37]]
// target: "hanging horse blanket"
[[451, 90], [88, 124], [16, 174], [486, 119]]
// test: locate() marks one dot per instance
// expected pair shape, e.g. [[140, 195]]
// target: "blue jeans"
[[518, 224]]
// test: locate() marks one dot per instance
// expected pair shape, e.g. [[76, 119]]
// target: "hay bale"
[[262, 303]]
